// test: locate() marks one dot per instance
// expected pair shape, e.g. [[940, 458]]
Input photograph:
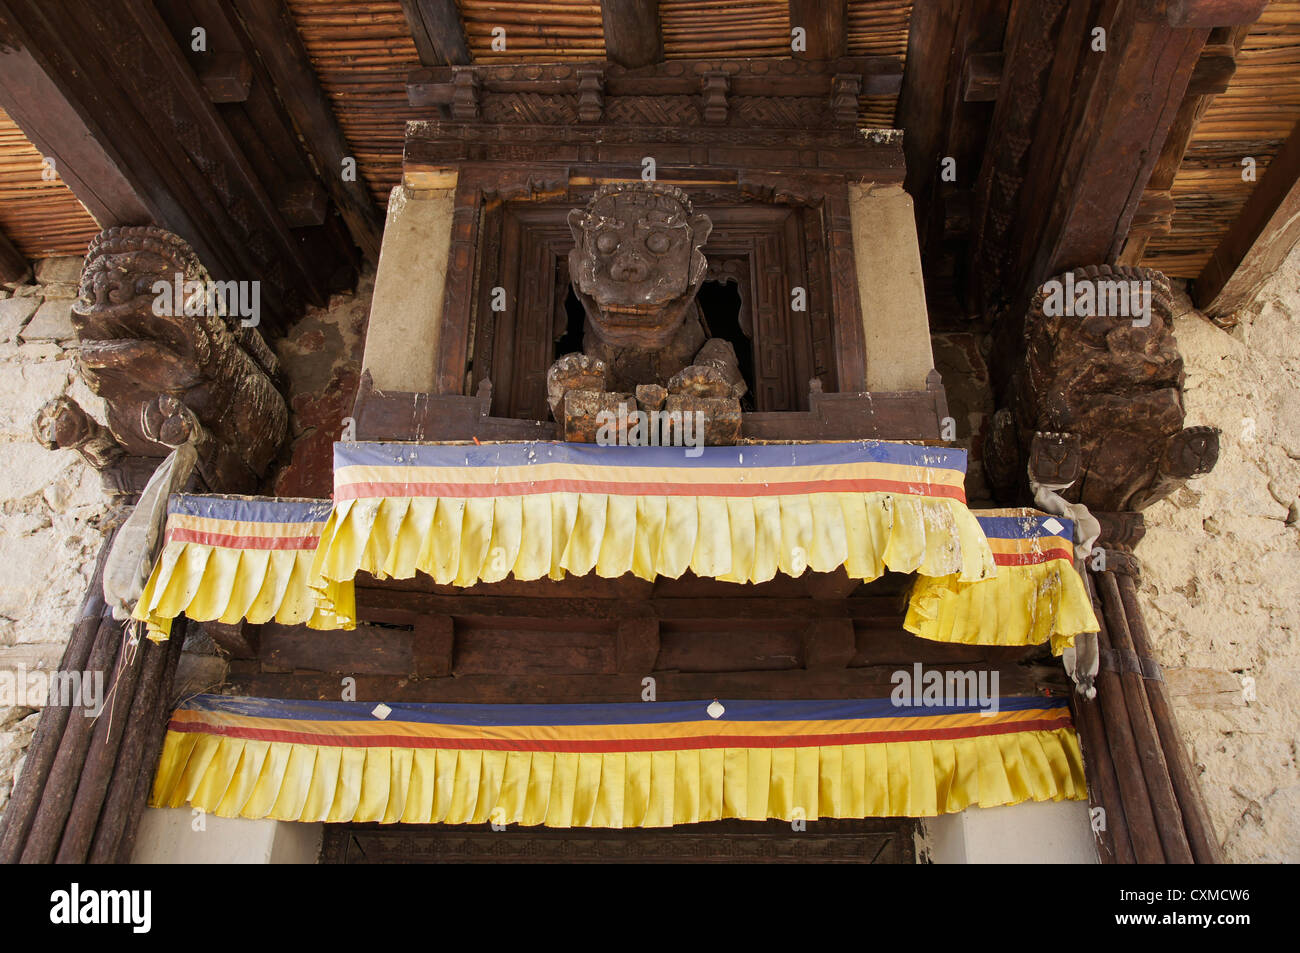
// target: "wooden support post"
[[61, 786], [150, 742], [1258, 241], [1196, 818], [1124, 754], [105, 745], [137, 755], [1169, 820], [825, 31], [632, 34], [437, 31], [1114, 843]]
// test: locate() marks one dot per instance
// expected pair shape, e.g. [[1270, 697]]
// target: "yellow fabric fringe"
[[465, 541], [234, 777], [1022, 605], [210, 583]]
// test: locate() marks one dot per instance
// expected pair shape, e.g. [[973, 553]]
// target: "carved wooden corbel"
[[165, 374], [1115, 381]]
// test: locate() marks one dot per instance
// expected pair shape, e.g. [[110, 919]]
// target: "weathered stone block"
[[14, 313], [65, 270], [52, 322]]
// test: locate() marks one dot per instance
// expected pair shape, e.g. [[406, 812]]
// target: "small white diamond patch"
[[1053, 525], [381, 711], [715, 709]]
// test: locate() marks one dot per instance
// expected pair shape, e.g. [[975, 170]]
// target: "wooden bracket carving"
[[1114, 380], [591, 94], [466, 94], [156, 344], [845, 90], [715, 87]]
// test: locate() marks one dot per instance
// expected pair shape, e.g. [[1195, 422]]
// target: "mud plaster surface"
[[1221, 574]]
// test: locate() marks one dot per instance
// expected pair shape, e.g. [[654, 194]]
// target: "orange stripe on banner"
[[355, 491], [613, 745], [227, 541]]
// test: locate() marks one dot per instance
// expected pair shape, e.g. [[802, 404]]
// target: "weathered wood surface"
[[437, 31], [103, 117], [632, 34], [1203, 841], [1113, 384], [1258, 241], [169, 378], [286, 60], [825, 841], [1164, 803]]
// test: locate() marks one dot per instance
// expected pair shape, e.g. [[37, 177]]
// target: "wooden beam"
[[227, 77], [14, 267], [632, 34], [33, 94], [1258, 241], [437, 31], [281, 50], [159, 150], [825, 29]]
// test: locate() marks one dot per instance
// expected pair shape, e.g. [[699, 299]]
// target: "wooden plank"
[[281, 50], [1258, 241], [632, 34], [437, 31], [824, 25]]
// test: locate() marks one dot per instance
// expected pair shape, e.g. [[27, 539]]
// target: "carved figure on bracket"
[[1115, 382], [165, 377], [636, 266]]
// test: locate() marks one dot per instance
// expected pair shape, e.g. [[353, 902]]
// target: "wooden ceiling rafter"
[[1257, 243], [437, 31], [632, 34]]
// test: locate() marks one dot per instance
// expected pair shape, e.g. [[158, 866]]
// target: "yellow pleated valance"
[[230, 558], [464, 515], [1036, 596], [617, 766]]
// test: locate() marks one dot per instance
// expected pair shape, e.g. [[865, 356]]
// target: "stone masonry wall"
[[1221, 574], [52, 510]]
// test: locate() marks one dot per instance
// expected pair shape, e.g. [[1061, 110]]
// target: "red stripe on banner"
[[229, 541], [356, 491], [631, 744], [1029, 559]]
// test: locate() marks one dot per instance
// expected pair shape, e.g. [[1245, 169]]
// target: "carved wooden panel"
[[768, 249]]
